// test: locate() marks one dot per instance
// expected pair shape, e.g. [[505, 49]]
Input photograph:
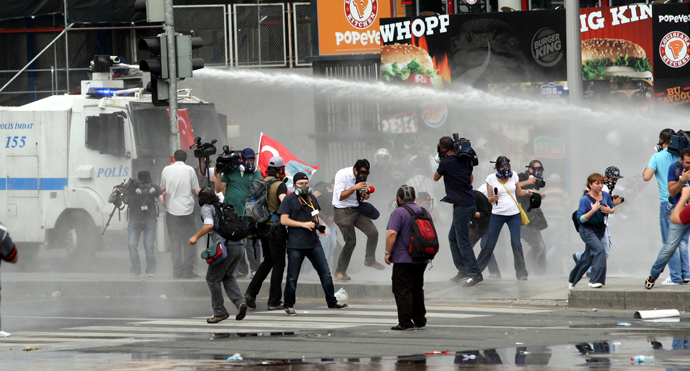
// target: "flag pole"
[[258, 157]]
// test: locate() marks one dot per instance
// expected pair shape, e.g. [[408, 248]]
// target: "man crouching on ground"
[[408, 273]]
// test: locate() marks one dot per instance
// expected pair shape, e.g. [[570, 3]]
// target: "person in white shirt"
[[503, 188], [349, 186], [181, 185]]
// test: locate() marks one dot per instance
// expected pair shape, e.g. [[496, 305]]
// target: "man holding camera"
[[181, 185], [658, 167], [234, 182], [457, 177], [300, 213], [533, 178], [350, 188], [143, 212], [678, 177]]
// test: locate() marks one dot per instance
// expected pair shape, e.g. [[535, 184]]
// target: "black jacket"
[[484, 209]]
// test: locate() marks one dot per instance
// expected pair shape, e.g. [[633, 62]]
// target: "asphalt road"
[[136, 333]]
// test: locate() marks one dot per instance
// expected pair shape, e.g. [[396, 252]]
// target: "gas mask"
[[145, 189], [505, 173], [538, 172], [249, 166], [610, 184], [303, 190]]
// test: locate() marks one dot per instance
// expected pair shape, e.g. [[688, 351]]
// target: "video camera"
[[228, 161], [463, 148], [203, 150], [679, 141], [117, 196]]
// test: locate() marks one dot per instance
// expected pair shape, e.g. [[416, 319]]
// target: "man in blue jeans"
[[299, 212], [457, 177], [143, 212], [678, 177], [658, 167]]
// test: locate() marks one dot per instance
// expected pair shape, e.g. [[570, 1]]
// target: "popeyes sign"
[[350, 26]]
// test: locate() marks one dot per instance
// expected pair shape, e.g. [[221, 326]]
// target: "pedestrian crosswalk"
[[316, 319]]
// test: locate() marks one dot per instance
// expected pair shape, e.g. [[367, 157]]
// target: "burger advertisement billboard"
[[617, 46], [350, 26], [505, 50], [671, 25]]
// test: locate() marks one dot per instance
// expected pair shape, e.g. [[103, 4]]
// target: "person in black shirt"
[[300, 213], [143, 212], [457, 177], [531, 233]]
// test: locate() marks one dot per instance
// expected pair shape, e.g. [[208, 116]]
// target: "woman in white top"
[[502, 188]]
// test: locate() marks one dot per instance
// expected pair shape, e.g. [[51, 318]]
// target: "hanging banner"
[[617, 52], [671, 25]]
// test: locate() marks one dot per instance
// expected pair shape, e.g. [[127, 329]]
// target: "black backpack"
[[424, 240], [230, 225], [576, 221]]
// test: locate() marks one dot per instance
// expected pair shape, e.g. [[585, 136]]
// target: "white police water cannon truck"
[[62, 155]]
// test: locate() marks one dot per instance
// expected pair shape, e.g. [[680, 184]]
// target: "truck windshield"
[[152, 127]]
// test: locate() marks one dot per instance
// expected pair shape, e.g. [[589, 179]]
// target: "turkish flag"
[[269, 147], [184, 128]]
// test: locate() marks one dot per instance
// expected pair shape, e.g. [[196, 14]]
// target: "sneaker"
[[472, 281], [251, 302], [339, 306], [459, 278], [597, 285], [575, 258], [241, 311], [669, 282], [588, 274], [401, 328], [252, 274], [151, 275], [649, 283], [215, 319], [342, 276], [4, 334], [278, 306], [290, 311], [570, 285], [376, 265], [686, 280], [132, 275]]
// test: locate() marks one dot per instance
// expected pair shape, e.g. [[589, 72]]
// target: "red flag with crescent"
[[269, 147], [185, 129]]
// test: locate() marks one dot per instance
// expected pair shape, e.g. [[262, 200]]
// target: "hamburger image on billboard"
[[408, 64], [620, 64]]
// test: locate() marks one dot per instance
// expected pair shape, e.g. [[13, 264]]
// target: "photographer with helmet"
[[533, 178], [142, 212], [503, 188], [234, 173], [456, 172]]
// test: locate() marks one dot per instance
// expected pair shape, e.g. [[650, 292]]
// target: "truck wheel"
[[79, 235]]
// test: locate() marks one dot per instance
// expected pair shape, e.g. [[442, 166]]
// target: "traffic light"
[[185, 62], [154, 9], [157, 65]]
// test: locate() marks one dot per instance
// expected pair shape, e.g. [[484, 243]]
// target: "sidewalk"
[[619, 292]]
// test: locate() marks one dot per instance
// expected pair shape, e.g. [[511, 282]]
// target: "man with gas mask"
[[457, 177], [533, 178], [234, 184], [658, 167], [349, 191], [142, 213], [299, 212], [273, 237]]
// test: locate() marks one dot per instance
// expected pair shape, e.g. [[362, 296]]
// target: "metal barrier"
[[301, 20], [259, 35], [210, 22]]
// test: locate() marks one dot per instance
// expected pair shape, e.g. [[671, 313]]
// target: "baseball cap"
[[613, 172], [248, 153], [299, 176], [276, 161], [144, 176]]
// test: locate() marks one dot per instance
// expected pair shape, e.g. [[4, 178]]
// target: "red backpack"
[[424, 240]]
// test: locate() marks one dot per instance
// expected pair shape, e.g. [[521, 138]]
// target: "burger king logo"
[[547, 47], [673, 49], [361, 13]]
